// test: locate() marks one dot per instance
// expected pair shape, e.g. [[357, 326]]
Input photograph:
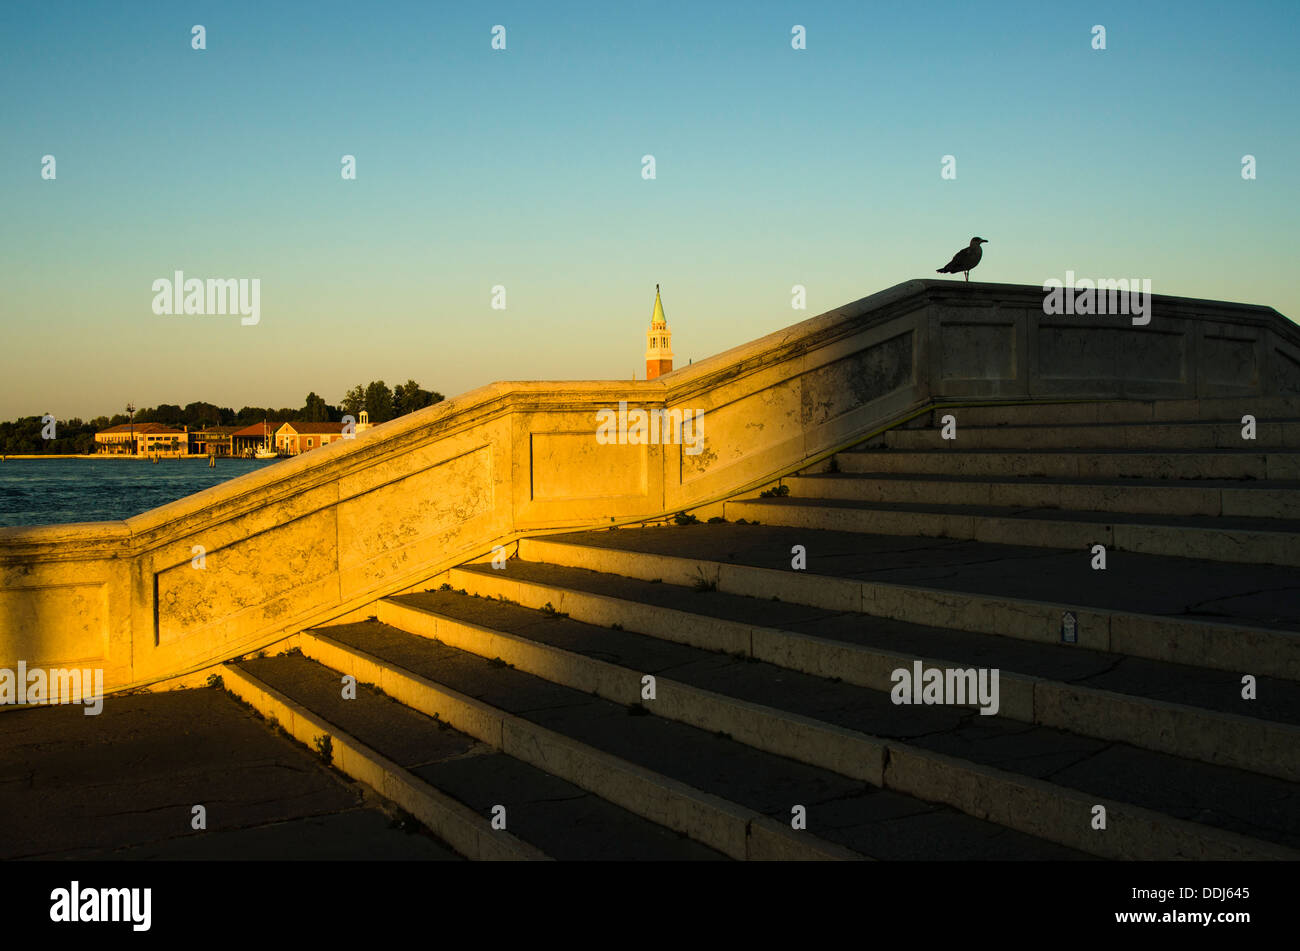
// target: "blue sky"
[[522, 168]]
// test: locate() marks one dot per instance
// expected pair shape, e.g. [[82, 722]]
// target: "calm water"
[[46, 491]]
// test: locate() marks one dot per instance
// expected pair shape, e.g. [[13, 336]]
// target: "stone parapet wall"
[[314, 537]]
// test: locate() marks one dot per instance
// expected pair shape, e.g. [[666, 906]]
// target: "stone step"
[[1206, 498], [556, 818], [751, 789], [468, 833], [1245, 619], [569, 739], [1038, 683], [1269, 434], [1185, 465], [1227, 539], [844, 728], [1125, 411]]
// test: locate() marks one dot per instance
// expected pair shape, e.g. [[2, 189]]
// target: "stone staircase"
[[724, 689]]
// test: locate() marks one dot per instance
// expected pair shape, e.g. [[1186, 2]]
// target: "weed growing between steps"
[[491, 597], [271, 720]]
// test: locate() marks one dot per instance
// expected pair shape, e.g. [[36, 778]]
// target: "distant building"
[[213, 441], [294, 438], [116, 440], [246, 441], [142, 439], [659, 351]]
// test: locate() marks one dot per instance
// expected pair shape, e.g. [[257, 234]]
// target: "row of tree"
[[384, 404], [71, 436], [26, 434]]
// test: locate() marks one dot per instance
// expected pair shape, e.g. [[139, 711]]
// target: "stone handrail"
[[314, 537]]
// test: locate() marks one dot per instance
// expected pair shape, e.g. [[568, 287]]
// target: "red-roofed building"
[[294, 438], [246, 441]]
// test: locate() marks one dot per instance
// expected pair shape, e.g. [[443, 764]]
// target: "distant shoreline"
[[115, 455]]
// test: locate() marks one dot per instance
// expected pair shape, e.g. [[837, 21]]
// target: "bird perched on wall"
[[965, 259]]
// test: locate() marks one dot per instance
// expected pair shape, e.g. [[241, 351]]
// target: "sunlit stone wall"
[[317, 536]]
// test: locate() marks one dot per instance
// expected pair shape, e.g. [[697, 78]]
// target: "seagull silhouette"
[[965, 259]]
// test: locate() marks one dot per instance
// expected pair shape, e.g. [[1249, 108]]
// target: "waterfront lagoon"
[[56, 491]]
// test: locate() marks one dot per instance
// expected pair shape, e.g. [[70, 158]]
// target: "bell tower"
[[658, 351]]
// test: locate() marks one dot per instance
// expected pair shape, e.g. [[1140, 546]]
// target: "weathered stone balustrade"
[[317, 536]]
